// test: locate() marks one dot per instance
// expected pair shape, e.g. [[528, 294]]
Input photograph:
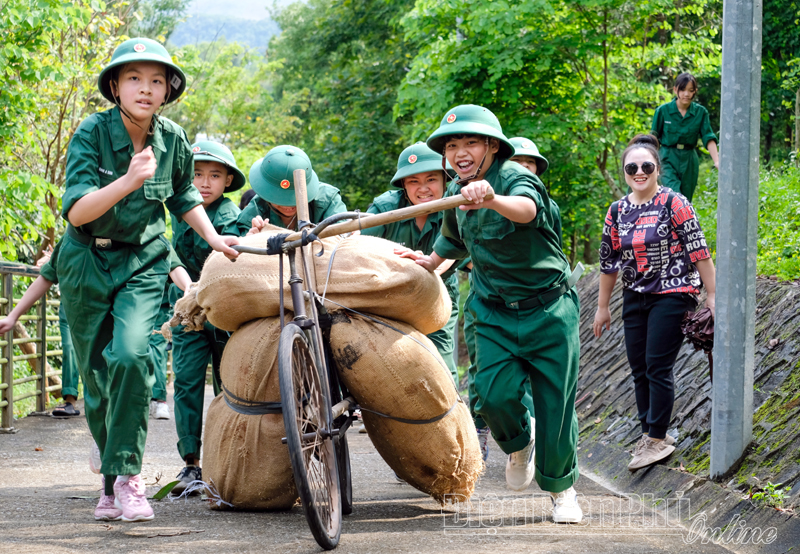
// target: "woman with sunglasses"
[[653, 238]]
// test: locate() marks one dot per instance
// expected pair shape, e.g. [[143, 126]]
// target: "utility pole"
[[737, 234]]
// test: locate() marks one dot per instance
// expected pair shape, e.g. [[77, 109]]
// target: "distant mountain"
[[200, 27]]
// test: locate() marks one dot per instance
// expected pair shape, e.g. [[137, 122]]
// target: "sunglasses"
[[647, 167]]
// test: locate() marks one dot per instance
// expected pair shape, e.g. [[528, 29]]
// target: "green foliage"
[[579, 78], [51, 53], [772, 496], [156, 19], [349, 57], [778, 218]]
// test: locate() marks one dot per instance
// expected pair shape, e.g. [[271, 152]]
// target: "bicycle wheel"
[[307, 420]]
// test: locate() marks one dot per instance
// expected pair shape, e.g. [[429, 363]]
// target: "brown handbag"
[[699, 330]]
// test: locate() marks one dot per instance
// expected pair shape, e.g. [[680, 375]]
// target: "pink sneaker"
[[130, 498], [106, 510]]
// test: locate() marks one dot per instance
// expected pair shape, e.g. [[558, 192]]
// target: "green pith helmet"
[[525, 147], [142, 50], [417, 158], [469, 119], [272, 177], [210, 151]]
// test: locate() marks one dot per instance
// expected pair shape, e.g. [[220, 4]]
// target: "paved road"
[[47, 498]]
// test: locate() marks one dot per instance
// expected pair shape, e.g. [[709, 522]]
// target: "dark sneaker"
[[185, 477]]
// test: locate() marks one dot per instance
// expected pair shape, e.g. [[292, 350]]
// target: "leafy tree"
[[51, 51], [156, 19], [350, 56], [579, 78]]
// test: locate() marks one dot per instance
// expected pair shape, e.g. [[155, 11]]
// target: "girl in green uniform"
[[678, 125], [420, 179], [272, 177], [123, 166], [215, 173]]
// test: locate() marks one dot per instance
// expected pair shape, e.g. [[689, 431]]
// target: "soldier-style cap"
[[526, 147], [142, 50], [417, 158], [469, 119], [272, 177], [210, 151]]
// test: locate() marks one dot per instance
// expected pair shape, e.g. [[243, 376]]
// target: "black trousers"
[[653, 339]]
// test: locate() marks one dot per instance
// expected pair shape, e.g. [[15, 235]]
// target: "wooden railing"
[[35, 357]]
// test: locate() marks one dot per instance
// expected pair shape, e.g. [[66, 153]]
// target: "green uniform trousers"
[[541, 345], [69, 369], [469, 340], [680, 169], [191, 353], [159, 346], [111, 301]]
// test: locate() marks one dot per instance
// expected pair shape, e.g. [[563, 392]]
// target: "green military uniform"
[[415, 159], [327, 203], [112, 271], [469, 340], [158, 343], [525, 147], [69, 369], [680, 164], [273, 180], [192, 351], [526, 317]]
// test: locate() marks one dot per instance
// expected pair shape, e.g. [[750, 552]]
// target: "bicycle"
[[317, 410]]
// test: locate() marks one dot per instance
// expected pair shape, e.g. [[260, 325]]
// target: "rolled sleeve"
[[174, 260], [707, 134], [185, 194], [83, 161], [524, 187]]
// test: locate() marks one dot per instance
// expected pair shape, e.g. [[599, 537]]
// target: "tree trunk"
[[30, 348]]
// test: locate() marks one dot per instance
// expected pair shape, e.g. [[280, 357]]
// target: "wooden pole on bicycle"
[[301, 202], [376, 220]]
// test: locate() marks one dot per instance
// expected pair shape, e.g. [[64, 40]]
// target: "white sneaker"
[[95, 461], [565, 507], [159, 410], [520, 465]]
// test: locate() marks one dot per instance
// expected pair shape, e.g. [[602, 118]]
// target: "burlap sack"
[[366, 275], [394, 374], [242, 454]]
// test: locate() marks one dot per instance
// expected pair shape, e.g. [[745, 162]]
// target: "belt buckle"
[[680, 146], [513, 305], [102, 243]]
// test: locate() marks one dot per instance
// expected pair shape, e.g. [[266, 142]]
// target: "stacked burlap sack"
[[242, 453], [392, 370]]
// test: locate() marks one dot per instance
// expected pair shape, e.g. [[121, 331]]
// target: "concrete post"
[[737, 234]]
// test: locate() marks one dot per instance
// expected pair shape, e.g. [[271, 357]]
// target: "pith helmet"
[[142, 50], [272, 177], [417, 158], [525, 147], [469, 119], [210, 151]]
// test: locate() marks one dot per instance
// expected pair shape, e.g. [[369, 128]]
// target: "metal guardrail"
[[8, 272]]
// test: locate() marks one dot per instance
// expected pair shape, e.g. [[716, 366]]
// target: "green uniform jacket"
[[100, 153], [327, 203], [671, 128], [191, 248], [511, 261], [406, 233]]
